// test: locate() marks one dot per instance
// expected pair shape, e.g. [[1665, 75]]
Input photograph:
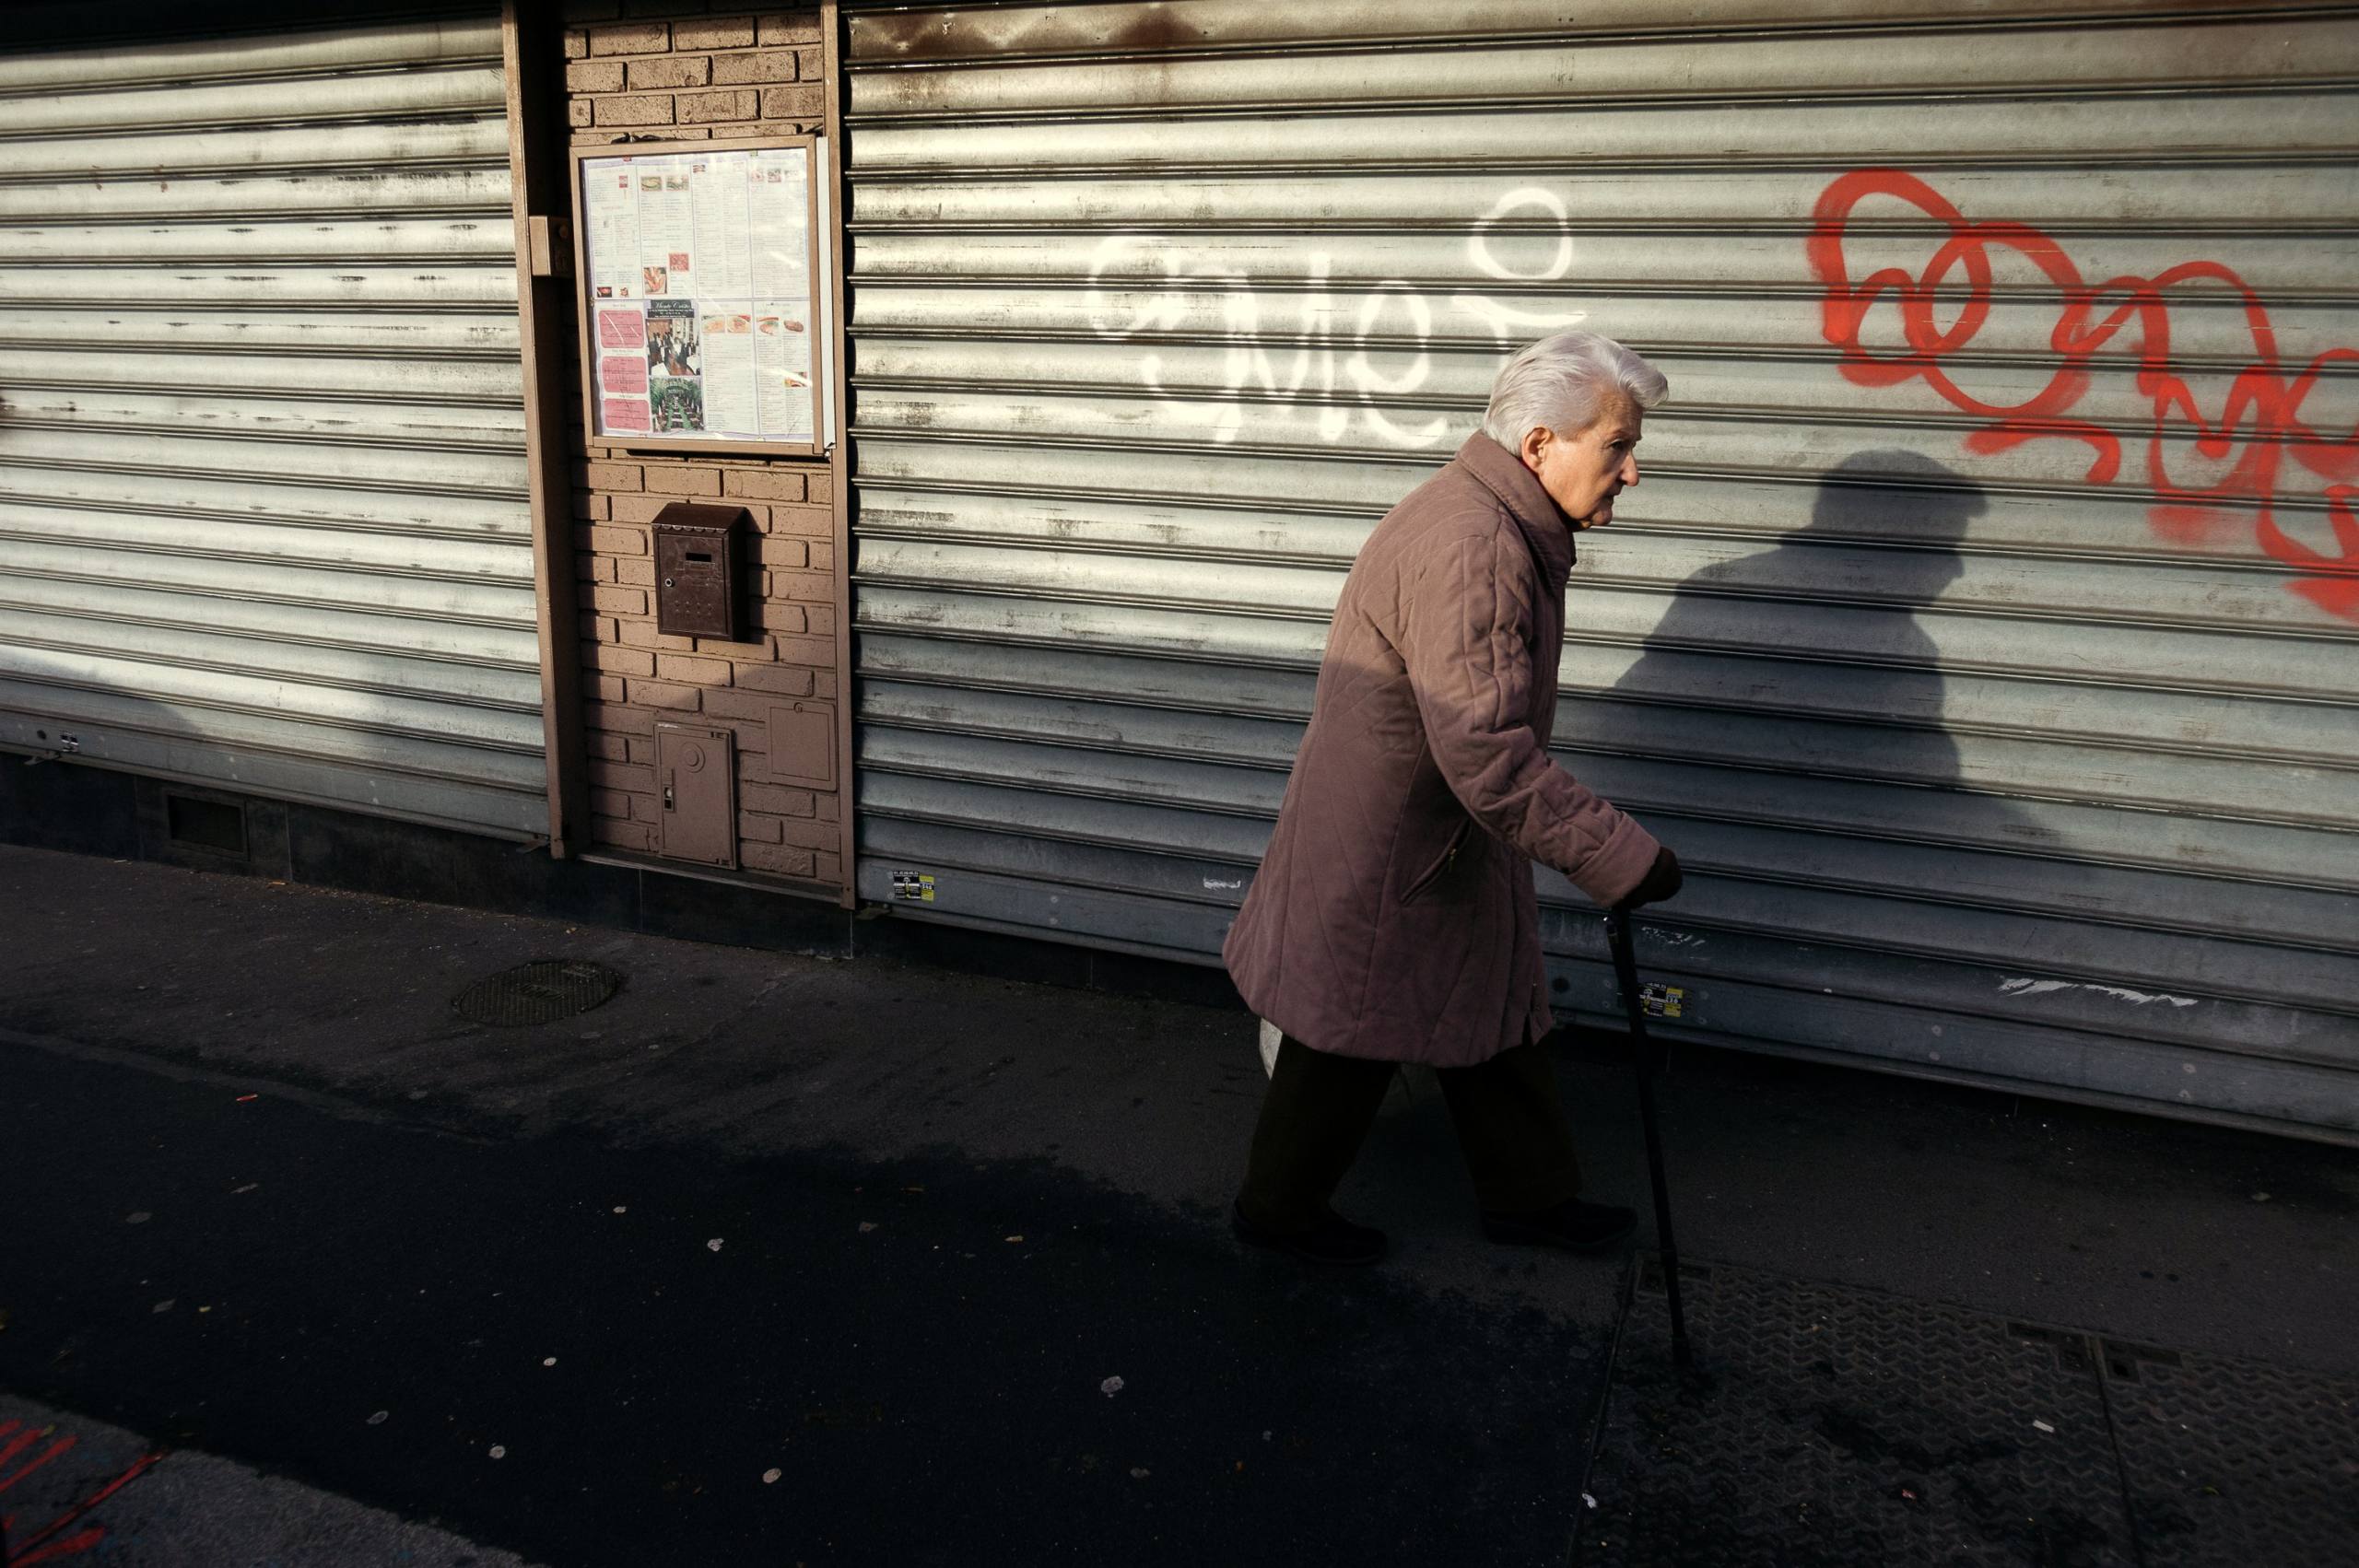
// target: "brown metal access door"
[[696, 783]]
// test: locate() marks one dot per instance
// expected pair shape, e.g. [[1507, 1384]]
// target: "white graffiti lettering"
[[1334, 369]]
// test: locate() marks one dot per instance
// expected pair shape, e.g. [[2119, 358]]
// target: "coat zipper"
[[1440, 868]]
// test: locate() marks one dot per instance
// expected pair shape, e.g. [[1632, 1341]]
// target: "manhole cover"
[[540, 993]]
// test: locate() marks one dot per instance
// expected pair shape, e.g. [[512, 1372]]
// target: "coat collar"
[[1539, 519]]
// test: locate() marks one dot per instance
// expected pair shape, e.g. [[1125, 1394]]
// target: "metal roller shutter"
[[262, 502], [1996, 682]]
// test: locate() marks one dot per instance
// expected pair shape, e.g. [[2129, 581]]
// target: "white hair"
[[1564, 382]]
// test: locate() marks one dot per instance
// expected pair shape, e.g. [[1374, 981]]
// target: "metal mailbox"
[[698, 591]]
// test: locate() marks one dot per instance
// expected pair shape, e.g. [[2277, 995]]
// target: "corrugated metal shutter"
[[263, 504], [1988, 762]]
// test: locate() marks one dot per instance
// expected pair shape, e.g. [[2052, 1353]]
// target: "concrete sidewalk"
[[950, 1212], [72, 1489]]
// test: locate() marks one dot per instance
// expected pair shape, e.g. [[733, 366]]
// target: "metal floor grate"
[[539, 993], [1835, 1425]]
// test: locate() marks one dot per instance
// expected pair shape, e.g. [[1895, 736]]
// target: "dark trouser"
[[1510, 1124]]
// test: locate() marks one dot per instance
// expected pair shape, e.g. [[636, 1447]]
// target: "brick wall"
[[678, 70], [666, 64]]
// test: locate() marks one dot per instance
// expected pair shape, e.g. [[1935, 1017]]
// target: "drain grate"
[[540, 993]]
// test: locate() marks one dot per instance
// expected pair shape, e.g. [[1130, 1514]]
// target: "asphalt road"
[[266, 1185], [593, 1354]]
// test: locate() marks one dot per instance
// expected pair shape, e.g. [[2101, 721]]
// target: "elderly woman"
[[1393, 918]]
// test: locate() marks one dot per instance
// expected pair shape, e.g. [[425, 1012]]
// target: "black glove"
[[1661, 882]]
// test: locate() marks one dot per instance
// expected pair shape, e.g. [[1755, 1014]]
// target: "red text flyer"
[[623, 374]]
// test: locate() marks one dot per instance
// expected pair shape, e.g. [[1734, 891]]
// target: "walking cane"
[[1626, 971]]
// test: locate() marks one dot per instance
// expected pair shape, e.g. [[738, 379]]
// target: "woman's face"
[[1583, 472]]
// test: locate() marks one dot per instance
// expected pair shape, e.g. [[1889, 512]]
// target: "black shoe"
[[1333, 1239], [1574, 1225]]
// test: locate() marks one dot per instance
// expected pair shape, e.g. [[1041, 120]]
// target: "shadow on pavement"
[[590, 1355]]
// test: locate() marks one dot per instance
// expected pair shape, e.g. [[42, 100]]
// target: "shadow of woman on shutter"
[[1805, 666]]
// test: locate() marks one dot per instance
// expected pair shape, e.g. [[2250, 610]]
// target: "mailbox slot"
[[698, 591]]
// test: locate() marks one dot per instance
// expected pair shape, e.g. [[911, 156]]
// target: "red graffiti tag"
[[24, 1449], [2259, 424]]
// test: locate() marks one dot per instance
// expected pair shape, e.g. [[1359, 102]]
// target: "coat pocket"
[[1424, 881]]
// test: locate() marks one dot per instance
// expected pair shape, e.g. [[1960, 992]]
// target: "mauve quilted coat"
[[1394, 915]]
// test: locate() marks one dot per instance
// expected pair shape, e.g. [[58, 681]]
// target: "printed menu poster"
[[700, 275]]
